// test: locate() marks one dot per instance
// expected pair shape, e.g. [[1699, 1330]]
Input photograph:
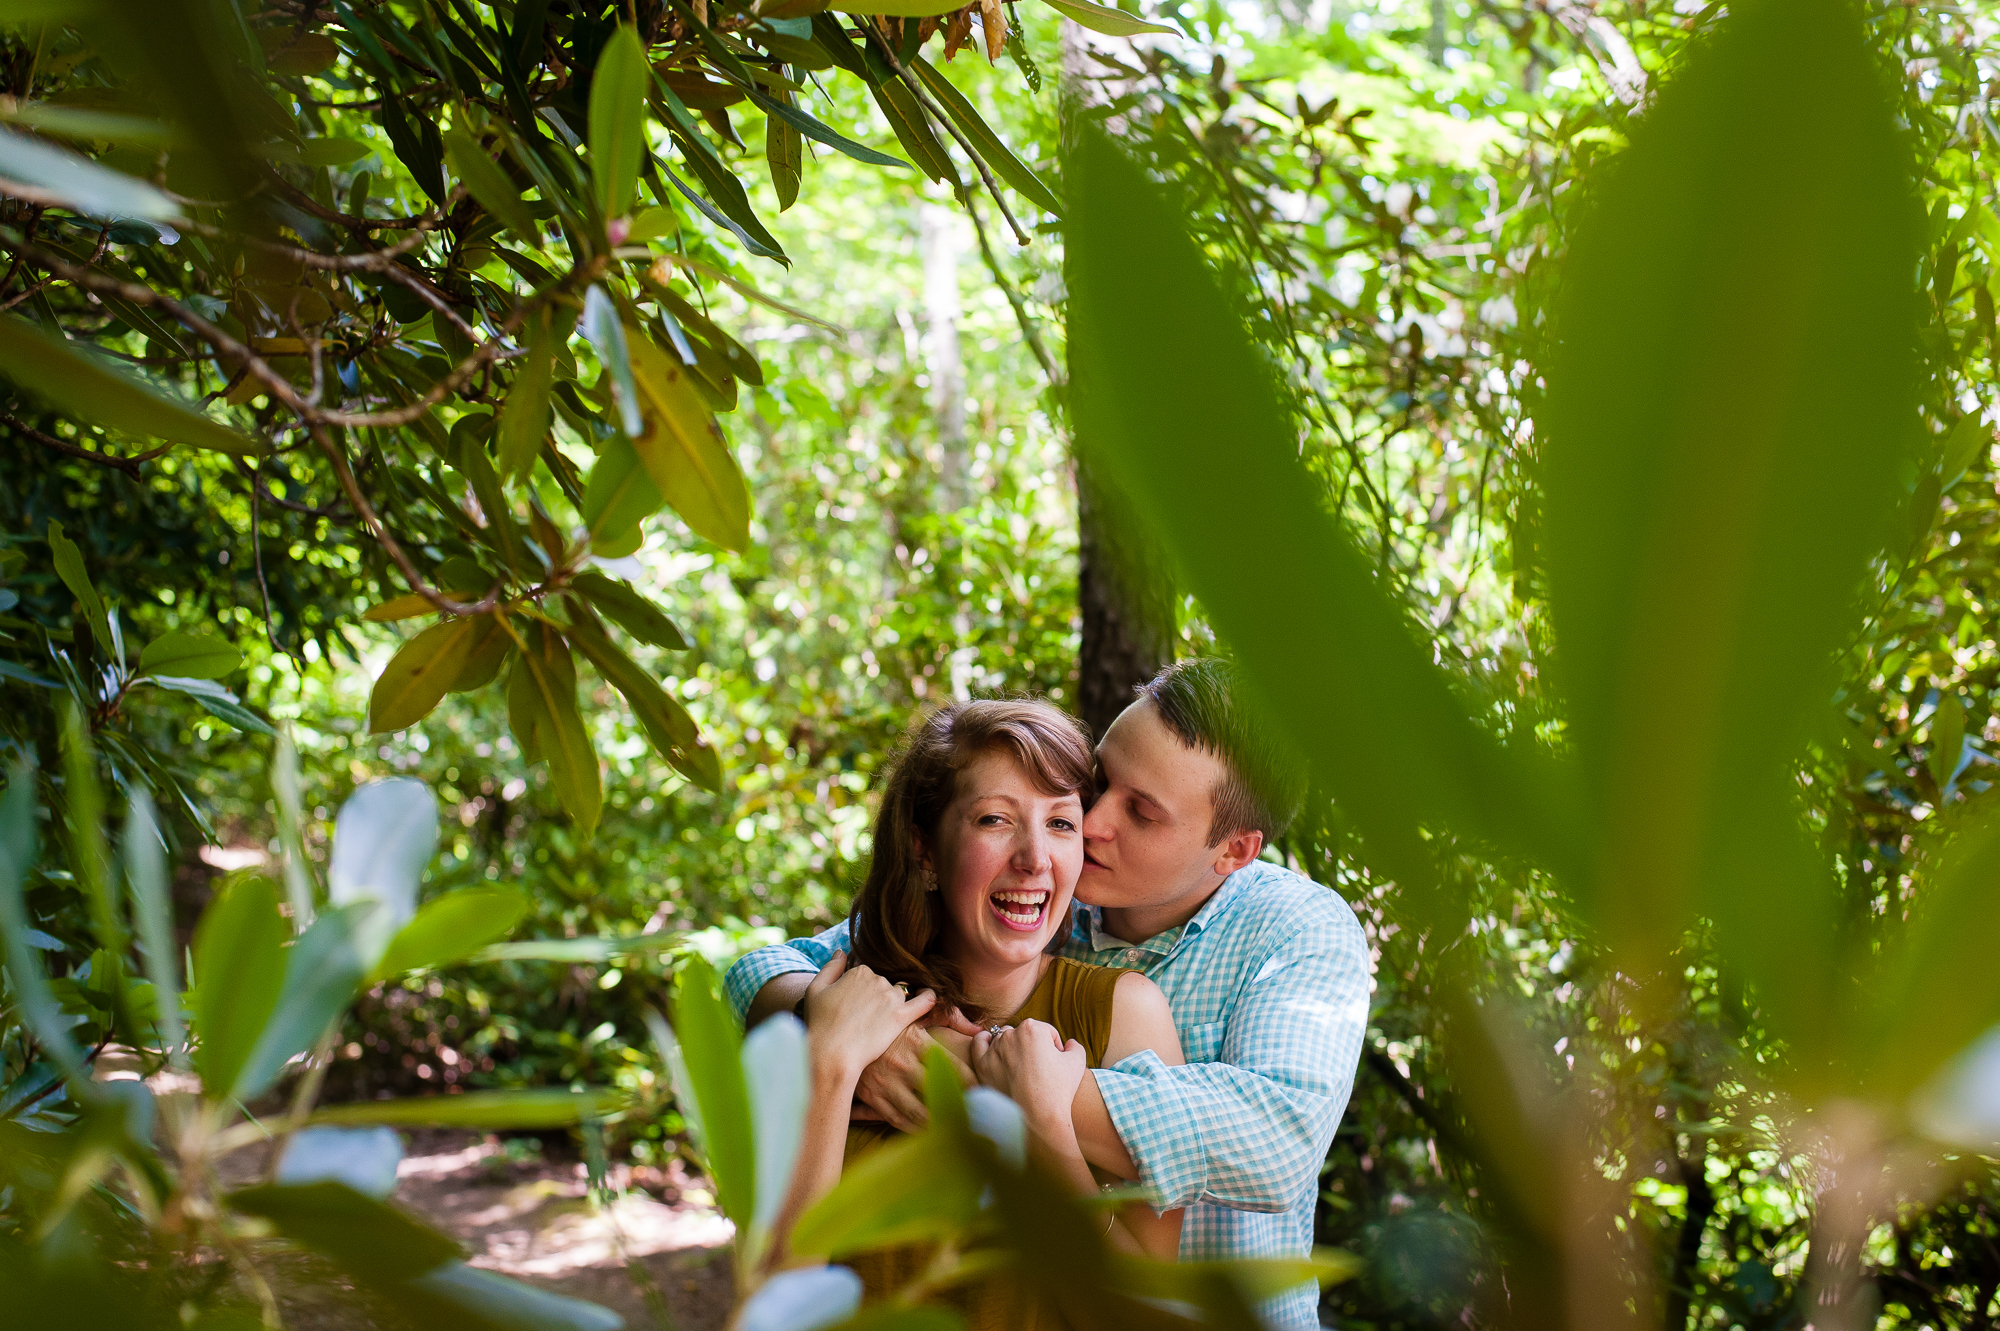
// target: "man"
[[1266, 972]]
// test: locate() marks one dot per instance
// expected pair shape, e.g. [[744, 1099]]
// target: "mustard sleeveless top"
[[1075, 999]]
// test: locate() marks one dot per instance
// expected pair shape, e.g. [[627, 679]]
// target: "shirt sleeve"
[[1251, 1131], [759, 968]]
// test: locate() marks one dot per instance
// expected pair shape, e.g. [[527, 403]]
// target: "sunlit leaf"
[[524, 416], [152, 915], [1106, 19], [425, 669], [560, 735], [632, 612], [541, 1107], [70, 568], [488, 184], [452, 926], [189, 656], [323, 971], [684, 452], [606, 332], [383, 841], [710, 1052]]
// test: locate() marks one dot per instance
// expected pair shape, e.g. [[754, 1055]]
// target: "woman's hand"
[[1033, 1066], [854, 1016]]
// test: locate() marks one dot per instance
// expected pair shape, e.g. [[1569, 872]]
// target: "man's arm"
[[1251, 1131], [763, 982]]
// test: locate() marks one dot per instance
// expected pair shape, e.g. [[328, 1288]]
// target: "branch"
[[1029, 332], [128, 465]]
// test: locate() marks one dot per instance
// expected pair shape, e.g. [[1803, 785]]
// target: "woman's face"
[[1007, 857]]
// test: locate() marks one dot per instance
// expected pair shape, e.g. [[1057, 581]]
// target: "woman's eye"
[[1062, 824]]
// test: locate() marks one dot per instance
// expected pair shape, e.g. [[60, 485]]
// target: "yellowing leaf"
[[412, 606], [424, 671], [683, 449]]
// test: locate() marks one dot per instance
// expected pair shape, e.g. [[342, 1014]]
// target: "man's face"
[[1146, 837]]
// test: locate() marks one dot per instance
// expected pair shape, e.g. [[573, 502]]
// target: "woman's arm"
[[856, 1014]]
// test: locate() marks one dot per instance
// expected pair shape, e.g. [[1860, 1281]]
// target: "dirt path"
[[534, 1220]]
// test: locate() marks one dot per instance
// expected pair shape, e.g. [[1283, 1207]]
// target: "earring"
[[930, 879]]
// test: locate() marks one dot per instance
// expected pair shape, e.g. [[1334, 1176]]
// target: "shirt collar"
[[1091, 919]]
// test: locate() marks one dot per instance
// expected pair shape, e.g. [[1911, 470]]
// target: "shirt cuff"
[[1164, 1141], [753, 972]]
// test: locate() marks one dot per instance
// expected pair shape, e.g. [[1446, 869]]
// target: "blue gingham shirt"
[[1269, 985]]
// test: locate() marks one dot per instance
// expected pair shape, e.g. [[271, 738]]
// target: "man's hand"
[[891, 1088]]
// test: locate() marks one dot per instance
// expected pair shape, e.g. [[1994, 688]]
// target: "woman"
[[978, 846]]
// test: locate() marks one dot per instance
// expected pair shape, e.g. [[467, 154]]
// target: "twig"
[[294, 195], [937, 114], [1029, 332], [127, 465]]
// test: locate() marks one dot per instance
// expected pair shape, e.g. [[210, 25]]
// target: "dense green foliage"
[[1388, 192]]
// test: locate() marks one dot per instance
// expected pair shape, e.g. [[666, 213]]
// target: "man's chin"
[[1099, 887]]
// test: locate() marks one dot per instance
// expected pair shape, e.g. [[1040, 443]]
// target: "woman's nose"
[[1032, 852]]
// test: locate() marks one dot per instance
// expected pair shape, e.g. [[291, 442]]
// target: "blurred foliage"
[[1387, 190]]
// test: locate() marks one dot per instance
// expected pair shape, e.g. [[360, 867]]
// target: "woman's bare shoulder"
[[1141, 1019]]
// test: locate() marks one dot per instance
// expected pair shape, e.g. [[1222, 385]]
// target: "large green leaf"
[[95, 391], [81, 183], [69, 567], [588, 951], [489, 185], [910, 1189], [620, 493], [323, 970], [452, 926], [189, 656], [152, 915], [667, 724], [1106, 19], [1172, 408], [560, 735], [368, 1238], [542, 1107], [458, 1294], [628, 609], [524, 416], [1733, 394], [24, 964], [424, 670], [988, 144], [606, 332], [618, 120], [708, 1076], [239, 968], [684, 452]]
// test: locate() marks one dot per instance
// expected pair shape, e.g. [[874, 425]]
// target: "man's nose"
[[1097, 822]]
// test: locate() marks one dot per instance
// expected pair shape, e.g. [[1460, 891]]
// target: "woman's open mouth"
[[1022, 909]]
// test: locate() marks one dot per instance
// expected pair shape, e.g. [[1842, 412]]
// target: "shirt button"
[[1133, 956]]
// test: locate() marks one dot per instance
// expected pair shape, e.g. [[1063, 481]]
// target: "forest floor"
[[662, 1264]]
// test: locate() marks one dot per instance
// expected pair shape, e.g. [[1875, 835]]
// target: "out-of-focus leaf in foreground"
[[1174, 411], [1732, 393]]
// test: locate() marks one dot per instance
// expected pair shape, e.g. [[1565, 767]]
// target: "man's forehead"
[[1139, 749]]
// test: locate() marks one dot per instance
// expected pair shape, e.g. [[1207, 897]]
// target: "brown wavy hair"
[[898, 926]]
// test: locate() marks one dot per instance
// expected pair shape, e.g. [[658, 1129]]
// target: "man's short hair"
[[1263, 782]]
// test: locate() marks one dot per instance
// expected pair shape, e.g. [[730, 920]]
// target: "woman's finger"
[[828, 973], [920, 1003]]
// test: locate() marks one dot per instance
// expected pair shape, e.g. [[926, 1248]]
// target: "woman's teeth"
[[1021, 908]]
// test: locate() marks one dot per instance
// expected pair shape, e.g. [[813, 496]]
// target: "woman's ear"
[[925, 869]]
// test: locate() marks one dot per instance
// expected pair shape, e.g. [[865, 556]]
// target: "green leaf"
[[672, 731], [997, 154], [152, 914], [524, 416], [368, 1238], [453, 926], [80, 183], [95, 391], [632, 612], [489, 185], [618, 120], [910, 1189], [1163, 377], [895, 8], [413, 606], [784, 154], [69, 567], [578, 951], [542, 1107], [216, 701], [1947, 742], [239, 968], [189, 656], [1103, 18], [559, 733], [29, 983], [458, 1294], [684, 452], [1733, 396], [735, 214], [620, 493], [323, 971], [90, 125], [1258, 1278], [606, 332], [704, 1050], [912, 124], [425, 669], [782, 108]]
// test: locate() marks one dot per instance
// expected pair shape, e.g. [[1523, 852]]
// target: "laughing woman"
[[978, 846]]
